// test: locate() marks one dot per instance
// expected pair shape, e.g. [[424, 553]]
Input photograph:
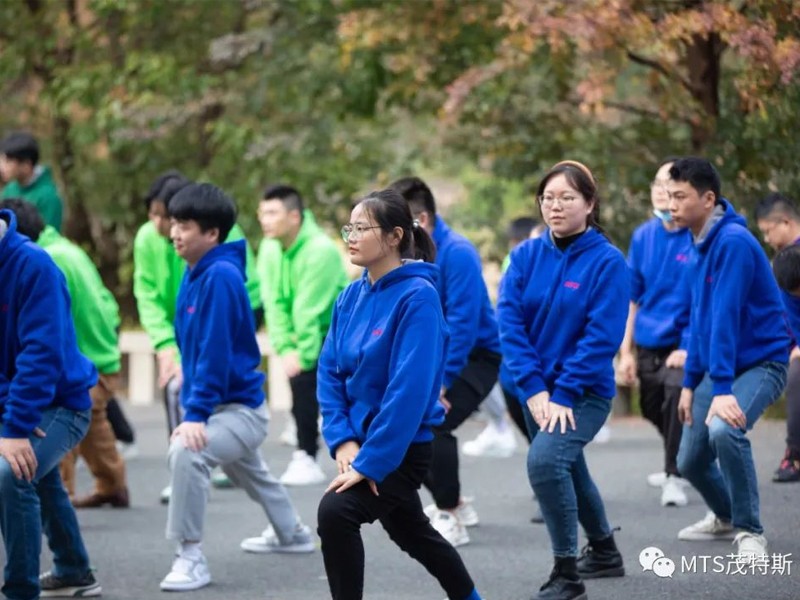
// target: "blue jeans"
[[560, 477], [730, 489], [28, 507]]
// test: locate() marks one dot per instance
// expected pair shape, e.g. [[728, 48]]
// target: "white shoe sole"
[[185, 587], [73, 592], [705, 537], [262, 549]]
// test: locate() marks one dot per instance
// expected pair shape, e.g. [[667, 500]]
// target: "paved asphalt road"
[[508, 557]]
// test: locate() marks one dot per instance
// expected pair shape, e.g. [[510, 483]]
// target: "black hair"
[[777, 204], [697, 172], [417, 194], [389, 210], [154, 193], [290, 197], [170, 188], [29, 221], [21, 146], [582, 180], [206, 204], [786, 267], [667, 160], [520, 229]]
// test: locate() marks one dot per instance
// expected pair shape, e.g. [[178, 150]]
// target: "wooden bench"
[[139, 364]]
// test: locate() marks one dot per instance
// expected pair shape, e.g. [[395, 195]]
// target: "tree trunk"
[[703, 56]]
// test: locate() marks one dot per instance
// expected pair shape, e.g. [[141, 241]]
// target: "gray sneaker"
[[268, 542]]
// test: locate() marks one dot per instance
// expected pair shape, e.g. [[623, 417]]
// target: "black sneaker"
[[789, 471], [600, 559], [55, 587]]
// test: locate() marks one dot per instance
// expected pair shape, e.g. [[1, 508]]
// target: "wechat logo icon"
[[653, 559]]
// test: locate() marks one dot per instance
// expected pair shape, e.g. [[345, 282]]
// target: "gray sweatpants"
[[235, 433]]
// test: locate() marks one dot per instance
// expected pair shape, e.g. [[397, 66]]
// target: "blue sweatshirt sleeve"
[[414, 378], [733, 269], [519, 355], [41, 327], [463, 279], [602, 334], [634, 265], [219, 313], [331, 392], [791, 305]]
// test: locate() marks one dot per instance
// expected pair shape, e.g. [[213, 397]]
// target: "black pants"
[[793, 407], [399, 510], [172, 406], [515, 411], [123, 430], [469, 389], [305, 410], [659, 392]]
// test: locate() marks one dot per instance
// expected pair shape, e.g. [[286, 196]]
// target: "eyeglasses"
[[564, 200], [355, 232]]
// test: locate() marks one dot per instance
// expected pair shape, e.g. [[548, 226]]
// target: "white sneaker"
[[127, 451], [673, 494], [165, 495], [751, 546], [492, 442], [709, 528], [303, 470], [187, 574], [657, 480], [465, 512], [450, 528], [268, 542], [603, 435], [288, 436]]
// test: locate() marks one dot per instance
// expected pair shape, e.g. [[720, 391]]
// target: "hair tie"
[[577, 165], [415, 224]]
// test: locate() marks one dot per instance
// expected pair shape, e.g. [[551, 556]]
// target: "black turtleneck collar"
[[562, 243]]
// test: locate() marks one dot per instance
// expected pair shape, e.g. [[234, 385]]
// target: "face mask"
[[664, 215]]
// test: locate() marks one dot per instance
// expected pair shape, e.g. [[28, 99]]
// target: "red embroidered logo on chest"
[[573, 285], [4, 308], [709, 279], [682, 258], [377, 332], [191, 310]]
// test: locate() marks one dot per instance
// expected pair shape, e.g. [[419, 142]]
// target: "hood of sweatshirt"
[[9, 243], [589, 239], [722, 215], [234, 253], [411, 268]]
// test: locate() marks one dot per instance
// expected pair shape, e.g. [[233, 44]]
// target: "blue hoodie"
[[465, 300], [659, 261], [791, 305], [562, 316], [216, 335], [40, 364], [737, 317], [380, 370]]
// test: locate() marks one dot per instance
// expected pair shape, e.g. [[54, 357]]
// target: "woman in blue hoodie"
[[562, 309], [379, 378]]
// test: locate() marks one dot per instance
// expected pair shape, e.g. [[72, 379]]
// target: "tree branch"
[[657, 66]]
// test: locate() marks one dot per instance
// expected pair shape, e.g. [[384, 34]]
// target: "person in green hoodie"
[[157, 275], [26, 178], [302, 274], [96, 317]]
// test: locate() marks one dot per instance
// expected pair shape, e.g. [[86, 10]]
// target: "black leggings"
[[515, 409], [793, 407], [123, 430], [399, 510], [469, 389], [305, 410]]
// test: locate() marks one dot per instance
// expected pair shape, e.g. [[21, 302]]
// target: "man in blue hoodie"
[[737, 357], [44, 412], [472, 361], [224, 413], [654, 346]]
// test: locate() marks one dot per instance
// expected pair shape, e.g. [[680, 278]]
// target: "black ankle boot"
[[600, 558], [564, 582]]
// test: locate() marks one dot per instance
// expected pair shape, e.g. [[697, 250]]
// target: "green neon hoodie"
[[42, 193], [299, 286], [157, 275], [94, 310]]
